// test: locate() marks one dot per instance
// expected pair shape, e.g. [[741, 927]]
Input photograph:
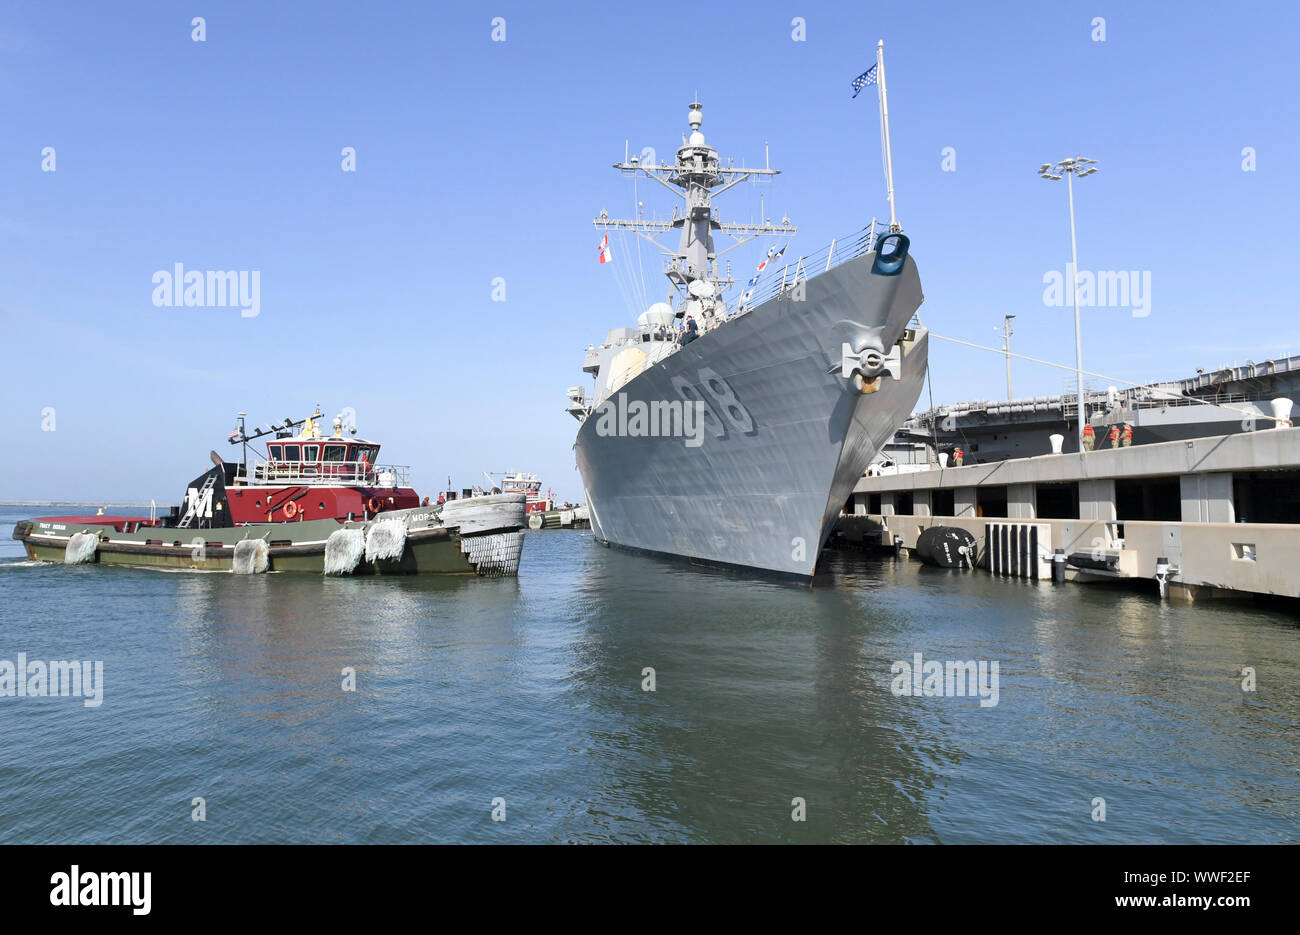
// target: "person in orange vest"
[[1114, 436], [957, 457], [1126, 437], [1089, 439]]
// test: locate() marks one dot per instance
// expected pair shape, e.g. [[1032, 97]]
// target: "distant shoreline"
[[116, 504]]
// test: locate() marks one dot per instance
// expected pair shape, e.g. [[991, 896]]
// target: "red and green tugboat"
[[316, 502]]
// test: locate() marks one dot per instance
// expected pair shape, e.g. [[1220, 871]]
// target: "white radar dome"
[[661, 313]]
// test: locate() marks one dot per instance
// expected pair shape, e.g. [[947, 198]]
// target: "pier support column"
[[1097, 500], [963, 501], [921, 503], [1020, 501], [887, 503], [1207, 498]]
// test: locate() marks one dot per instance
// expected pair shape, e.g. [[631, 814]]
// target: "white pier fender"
[[385, 539], [252, 557], [80, 548], [1019, 550], [344, 550]]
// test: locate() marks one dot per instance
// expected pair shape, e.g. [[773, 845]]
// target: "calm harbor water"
[[229, 688]]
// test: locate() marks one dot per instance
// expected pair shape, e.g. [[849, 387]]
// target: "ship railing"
[[1159, 399], [1133, 398], [777, 280], [326, 473]]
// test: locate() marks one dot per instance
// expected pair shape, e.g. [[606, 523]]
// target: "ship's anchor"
[[866, 365]]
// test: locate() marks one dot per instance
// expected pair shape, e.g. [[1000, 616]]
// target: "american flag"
[[864, 79]]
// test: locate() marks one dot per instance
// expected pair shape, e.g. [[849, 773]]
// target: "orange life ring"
[[374, 504], [290, 509]]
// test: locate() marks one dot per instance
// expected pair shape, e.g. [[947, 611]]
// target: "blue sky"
[[479, 159]]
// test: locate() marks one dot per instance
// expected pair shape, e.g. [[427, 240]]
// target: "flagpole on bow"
[[884, 122]]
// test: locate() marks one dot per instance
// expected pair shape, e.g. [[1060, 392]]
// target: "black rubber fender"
[[925, 543], [949, 547]]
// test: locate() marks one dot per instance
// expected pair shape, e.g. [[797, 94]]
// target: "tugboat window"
[[291, 452], [311, 452], [334, 452], [275, 452]]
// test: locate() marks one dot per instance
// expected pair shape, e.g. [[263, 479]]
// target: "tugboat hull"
[[488, 544]]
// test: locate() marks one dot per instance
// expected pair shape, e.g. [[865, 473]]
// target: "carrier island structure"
[[740, 446]]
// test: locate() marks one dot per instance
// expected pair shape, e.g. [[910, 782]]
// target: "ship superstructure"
[[1226, 400]]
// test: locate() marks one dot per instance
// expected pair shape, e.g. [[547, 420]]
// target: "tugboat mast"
[[696, 177]]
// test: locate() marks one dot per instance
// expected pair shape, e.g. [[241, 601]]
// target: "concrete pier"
[[1223, 512]]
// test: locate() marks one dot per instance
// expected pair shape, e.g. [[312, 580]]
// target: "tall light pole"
[[1006, 348], [1083, 167]]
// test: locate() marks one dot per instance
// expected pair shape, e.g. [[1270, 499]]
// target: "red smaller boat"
[[531, 488]]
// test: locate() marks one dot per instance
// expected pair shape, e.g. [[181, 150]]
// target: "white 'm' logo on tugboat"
[[199, 503]]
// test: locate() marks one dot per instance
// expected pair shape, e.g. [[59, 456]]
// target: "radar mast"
[[696, 177]]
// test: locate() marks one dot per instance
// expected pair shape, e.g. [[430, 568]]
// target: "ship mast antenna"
[[884, 123], [697, 176]]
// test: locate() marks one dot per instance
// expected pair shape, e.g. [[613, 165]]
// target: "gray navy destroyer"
[[737, 444]]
